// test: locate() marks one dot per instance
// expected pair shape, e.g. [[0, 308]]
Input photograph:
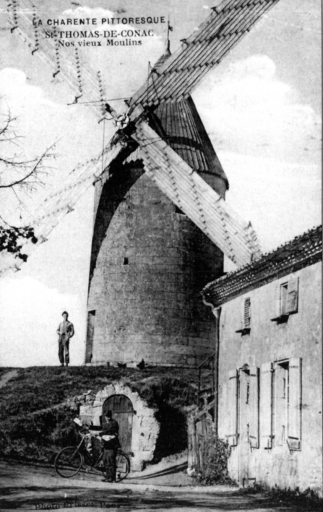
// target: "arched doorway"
[[122, 411]]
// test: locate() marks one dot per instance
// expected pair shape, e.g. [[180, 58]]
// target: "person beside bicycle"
[[89, 453], [111, 444]]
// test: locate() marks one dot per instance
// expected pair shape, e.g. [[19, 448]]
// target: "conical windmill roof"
[[180, 125]]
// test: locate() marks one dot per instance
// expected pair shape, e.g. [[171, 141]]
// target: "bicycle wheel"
[[68, 462], [123, 466]]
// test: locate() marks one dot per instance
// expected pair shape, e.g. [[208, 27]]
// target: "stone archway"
[[122, 412], [145, 427]]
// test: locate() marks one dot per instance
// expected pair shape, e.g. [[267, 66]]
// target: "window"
[[286, 300], [245, 322], [266, 409], [281, 383], [287, 403]]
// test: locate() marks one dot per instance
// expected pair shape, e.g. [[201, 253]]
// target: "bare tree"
[[19, 176]]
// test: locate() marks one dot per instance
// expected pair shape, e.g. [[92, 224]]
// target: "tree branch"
[[35, 171], [17, 174]]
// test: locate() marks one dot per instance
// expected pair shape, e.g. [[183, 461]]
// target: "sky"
[[261, 107]]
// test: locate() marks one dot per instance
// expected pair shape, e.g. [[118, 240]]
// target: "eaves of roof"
[[300, 252]]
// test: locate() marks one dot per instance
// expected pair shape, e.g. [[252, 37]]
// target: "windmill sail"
[[66, 63], [174, 79], [58, 204], [196, 198], [173, 176], [202, 51]]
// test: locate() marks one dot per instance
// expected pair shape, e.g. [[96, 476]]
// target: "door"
[[122, 412], [89, 336]]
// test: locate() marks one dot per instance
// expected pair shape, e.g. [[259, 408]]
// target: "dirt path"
[[6, 377], [35, 488]]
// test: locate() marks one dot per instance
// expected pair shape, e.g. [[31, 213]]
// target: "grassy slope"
[[32, 427]]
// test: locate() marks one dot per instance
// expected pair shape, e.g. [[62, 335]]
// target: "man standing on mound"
[[65, 332]]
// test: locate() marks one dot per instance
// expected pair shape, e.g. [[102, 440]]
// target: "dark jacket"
[[111, 428], [65, 331]]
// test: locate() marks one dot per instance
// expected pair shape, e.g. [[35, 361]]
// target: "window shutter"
[[292, 296], [233, 407], [277, 311], [295, 403], [246, 313], [241, 315], [280, 400], [254, 407], [266, 404]]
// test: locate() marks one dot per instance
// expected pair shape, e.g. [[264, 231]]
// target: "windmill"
[[161, 143]]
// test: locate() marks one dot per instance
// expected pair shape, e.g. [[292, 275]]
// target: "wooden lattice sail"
[[203, 205], [173, 80]]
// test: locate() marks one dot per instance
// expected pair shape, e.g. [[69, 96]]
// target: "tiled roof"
[[204, 49], [301, 252], [196, 198]]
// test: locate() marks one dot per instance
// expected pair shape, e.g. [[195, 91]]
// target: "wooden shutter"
[[295, 403], [254, 407], [292, 296], [233, 408], [266, 405], [280, 400], [241, 326], [283, 298], [247, 313], [277, 307]]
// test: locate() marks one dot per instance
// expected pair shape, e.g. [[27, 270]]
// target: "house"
[[270, 365]]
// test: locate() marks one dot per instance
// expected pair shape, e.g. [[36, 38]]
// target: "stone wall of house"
[[149, 264], [270, 341], [145, 427]]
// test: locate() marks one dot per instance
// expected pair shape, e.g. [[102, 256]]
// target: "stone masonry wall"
[[145, 427], [150, 265]]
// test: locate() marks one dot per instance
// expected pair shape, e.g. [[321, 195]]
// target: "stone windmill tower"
[[161, 223], [149, 261]]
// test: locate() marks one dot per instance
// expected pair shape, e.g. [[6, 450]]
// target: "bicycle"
[[70, 460]]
